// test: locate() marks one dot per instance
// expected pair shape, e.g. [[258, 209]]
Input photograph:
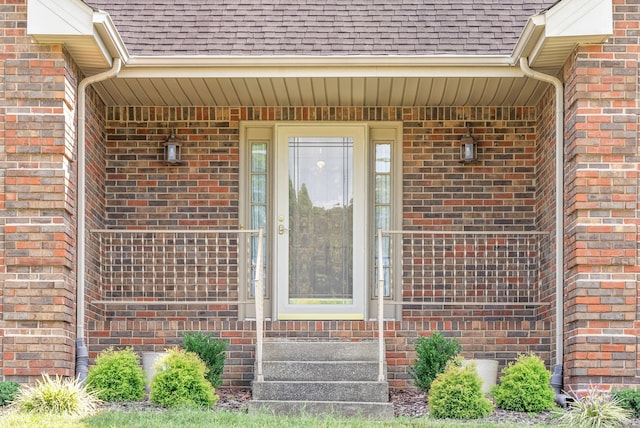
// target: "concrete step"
[[321, 391], [320, 351], [320, 370], [321, 378], [315, 408]]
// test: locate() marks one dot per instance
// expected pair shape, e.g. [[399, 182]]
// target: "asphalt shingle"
[[335, 27]]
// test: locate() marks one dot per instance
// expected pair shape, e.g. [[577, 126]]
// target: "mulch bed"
[[406, 403]]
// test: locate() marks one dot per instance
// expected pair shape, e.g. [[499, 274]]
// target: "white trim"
[[264, 68], [284, 308], [320, 61], [106, 30], [62, 17], [589, 19], [89, 35]]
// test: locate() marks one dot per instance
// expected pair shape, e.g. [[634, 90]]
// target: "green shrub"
[[524, 386], [180, 381], [210, 350], [433, 354], [117, 376], [457, 393], [57, 396], [8, 392], [629, 399], [596, 408]]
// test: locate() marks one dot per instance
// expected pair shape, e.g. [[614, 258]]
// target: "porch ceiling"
[[281, 79], [321, 91]]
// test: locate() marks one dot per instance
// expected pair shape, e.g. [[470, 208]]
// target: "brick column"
[[37, 325], [601, 296]]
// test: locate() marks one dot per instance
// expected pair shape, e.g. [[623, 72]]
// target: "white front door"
[[320, 221]]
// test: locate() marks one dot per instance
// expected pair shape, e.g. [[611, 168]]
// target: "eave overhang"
[[547, 40]]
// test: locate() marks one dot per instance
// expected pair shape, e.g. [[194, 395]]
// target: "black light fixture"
[[468, 148], [172, 150]]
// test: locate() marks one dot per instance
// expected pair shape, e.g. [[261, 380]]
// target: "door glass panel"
[[382, 216], [258, 205], [320, 220]]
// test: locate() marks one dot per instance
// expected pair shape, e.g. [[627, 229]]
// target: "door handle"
[[281, 229]]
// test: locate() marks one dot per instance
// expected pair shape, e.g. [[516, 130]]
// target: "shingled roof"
[[333, 27]]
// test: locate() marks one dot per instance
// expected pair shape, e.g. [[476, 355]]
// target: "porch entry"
[[320, 231]]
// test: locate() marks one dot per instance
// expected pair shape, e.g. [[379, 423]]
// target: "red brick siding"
[[95, 198], [483, 338], [546, 205], [602, 206], [497, 193], [37, 217]]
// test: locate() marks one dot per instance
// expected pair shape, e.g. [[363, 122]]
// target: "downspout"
[[82, 354], [556, 378]]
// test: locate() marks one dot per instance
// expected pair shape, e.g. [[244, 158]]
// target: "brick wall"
[[497, 193], [95, 164], [545, 207], [36, 212], [602, 206], [500, 339]]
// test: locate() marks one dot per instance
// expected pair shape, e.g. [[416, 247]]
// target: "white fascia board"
[[48, 18], [564, 26], [108, 33], [90, 36], [591, 20], [320, 66], [530, 36]]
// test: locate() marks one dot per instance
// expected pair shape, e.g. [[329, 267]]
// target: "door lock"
[[281, 229]]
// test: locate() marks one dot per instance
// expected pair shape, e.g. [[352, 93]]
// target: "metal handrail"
[[259, 279], [380, 310]]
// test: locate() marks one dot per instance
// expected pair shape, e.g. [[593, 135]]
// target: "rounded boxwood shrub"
[[457, 393], [8, 392], [117, 376], [433, 354], [524, 386], [180, 381]]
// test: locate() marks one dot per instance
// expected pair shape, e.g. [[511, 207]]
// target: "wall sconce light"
[[172, 150], [468, 148]]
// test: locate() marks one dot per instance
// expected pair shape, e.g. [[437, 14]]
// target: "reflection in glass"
[[321, 220], [258, 205], [382, 211]]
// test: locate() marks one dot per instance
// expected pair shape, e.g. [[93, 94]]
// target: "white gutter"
[[313, 66], [559, 212], [294, 61], [81, 349]]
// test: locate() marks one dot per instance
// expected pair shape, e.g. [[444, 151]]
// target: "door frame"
[[263, 131], [284, 309]]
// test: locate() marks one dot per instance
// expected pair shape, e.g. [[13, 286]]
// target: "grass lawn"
[[198, 418]]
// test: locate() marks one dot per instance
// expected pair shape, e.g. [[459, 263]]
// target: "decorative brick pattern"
[[496, 194], [489, 338]]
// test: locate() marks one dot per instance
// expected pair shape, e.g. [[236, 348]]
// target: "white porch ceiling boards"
[[467, 76], [322, 91]]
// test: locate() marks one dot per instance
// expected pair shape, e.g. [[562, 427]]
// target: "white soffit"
[[547, 39], [88, 35], [568, 24]]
